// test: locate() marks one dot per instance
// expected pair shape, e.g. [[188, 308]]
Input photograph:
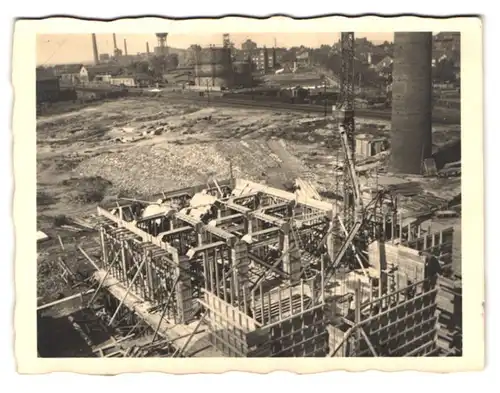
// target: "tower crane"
[[345, 124], [353, 205]]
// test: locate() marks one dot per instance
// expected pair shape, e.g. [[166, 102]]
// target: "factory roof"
[[110, 69], [68, 68], [136, 76], [44, 75]]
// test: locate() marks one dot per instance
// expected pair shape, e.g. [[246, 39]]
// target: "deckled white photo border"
[[24, 127]]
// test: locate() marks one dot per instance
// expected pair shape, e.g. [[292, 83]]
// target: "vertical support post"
[[262, 304], [384, 226], [400, 225], [223, 278], [393, 234], [280, 311], [269, 306], [216, 267], [322, 279], [124, 262], [301, 295], [330, 240], [357, 313], [380, 283], [210, 271], [104, 248], [149, 272], [249, 224]]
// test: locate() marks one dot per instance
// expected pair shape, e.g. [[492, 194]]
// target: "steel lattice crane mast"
[[345, 120]]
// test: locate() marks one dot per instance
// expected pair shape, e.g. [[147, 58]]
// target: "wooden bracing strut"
[[127, 292], [167, 303]]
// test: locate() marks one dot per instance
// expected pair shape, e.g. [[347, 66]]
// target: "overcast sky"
[[71, 48]]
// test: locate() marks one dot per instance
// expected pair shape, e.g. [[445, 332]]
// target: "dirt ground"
[[142, 146]]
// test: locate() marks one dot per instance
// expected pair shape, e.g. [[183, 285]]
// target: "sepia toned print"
[[241, 194]]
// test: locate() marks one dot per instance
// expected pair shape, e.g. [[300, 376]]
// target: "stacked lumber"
[[451, 169], [449, 301]]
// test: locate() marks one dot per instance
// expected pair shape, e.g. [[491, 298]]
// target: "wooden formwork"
[[242, 266], [300, 335], [147, 267], [285, 323], [399, 323], [438, 244], [228, 326]]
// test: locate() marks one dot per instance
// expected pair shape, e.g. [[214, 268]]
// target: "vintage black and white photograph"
[[249, 194]]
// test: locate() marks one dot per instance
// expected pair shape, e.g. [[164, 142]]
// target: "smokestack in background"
[[147, 47], [115, 47], [411, 124], [125, 46], [94, 48]]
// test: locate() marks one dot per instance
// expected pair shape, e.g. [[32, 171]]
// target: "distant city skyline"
[[73, 48]]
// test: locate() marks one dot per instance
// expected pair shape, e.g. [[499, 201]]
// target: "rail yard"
[[173, 227]]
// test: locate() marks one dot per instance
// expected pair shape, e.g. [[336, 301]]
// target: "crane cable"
[[55, 51]]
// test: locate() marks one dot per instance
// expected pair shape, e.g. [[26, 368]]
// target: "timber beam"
[[226, 219], [229, 238], [206, 247], [245, 196], [276, 207], [238, 208], [278, 222], [176, 231], [254, 236]]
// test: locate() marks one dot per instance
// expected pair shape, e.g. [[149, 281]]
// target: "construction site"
[[335, 246]]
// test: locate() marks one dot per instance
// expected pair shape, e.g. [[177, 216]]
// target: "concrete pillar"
[[382, 269], [291, 258], [240, 264], [184, 291]]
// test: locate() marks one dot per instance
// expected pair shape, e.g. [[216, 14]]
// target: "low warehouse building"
[[47, 87]]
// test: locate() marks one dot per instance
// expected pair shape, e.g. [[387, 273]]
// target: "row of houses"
[[78, 74]]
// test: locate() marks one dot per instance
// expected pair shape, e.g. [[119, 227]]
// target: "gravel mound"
[[149, 170]]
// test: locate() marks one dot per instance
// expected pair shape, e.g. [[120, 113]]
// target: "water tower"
[[162, 43]]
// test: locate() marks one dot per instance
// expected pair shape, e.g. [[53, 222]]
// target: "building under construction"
[[235, 268], [241, 269]]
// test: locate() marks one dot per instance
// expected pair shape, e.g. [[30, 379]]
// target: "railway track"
[[303, 108], [215, 100]]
